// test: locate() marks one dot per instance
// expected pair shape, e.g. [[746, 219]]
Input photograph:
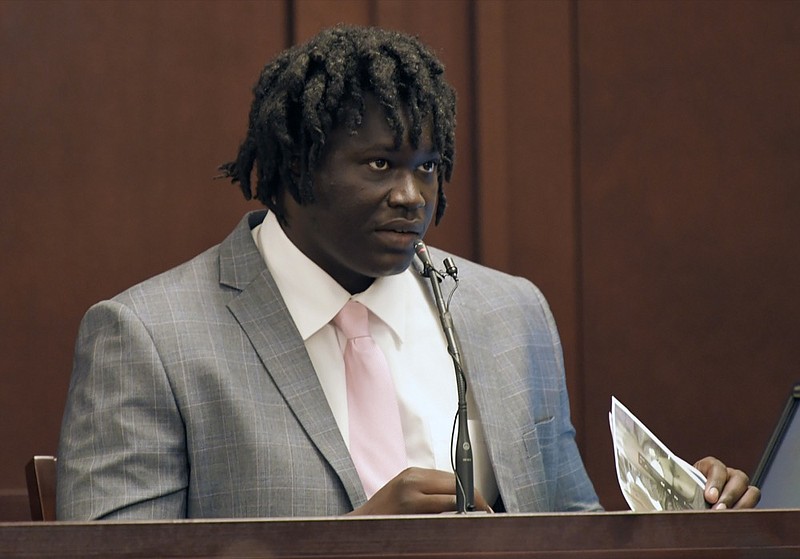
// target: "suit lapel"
[[263, 316]]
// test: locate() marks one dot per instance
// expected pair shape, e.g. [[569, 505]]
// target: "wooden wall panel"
[[311, 16], [541, 161], [526, 158], [689, 143], [115, 116], [493, 110]]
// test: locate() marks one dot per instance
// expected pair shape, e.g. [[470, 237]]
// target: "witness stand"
[[761, 534]]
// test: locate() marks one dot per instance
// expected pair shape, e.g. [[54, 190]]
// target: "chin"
[[397, 267]]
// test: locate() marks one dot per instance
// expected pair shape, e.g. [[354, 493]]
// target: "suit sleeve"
[[122, 451], [574, 490]]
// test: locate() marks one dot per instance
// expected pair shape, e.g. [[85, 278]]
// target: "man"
[[222, 388]]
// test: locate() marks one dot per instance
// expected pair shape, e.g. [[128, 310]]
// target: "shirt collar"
[[313, 297]]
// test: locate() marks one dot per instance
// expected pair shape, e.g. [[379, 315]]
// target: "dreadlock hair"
[[310, 89]]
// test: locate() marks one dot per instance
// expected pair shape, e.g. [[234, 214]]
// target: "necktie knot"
[[353, 320]]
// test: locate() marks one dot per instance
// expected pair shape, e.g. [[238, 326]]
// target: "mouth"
[[405, 226], [400, 234]]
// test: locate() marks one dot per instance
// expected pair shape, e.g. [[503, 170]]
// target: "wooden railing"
[[767, 534]]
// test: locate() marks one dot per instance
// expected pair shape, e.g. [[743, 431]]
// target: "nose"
[[407, 191]]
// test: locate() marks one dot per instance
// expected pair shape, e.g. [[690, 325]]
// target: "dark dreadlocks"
[[310, 89]]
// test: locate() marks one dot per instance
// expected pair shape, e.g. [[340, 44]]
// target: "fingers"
[[422, 491], [440, 489], [430, 482], [750, 498], [418, 491], [716, 475], [737, 493], [727, 487]]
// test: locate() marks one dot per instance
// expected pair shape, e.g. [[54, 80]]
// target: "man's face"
[[372, 201]]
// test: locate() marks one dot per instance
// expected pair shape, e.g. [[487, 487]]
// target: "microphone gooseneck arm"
[[465, 485]]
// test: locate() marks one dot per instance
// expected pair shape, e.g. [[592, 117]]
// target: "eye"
[[429, 167], [378, 164]]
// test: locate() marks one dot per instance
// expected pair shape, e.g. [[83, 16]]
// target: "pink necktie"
[[377, 445]]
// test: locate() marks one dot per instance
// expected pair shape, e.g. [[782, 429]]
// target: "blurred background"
[[638, 160]]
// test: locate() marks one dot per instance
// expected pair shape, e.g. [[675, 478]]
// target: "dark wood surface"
[[41, 477], [768, 534]]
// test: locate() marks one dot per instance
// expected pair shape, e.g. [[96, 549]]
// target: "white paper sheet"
[[650, 475]]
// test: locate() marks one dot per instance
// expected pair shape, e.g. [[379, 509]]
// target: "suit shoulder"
[[186, 294], [236, 260], [491, 280], [201, 273]]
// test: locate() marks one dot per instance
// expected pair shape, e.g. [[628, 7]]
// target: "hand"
[[417, 491], [727, 488]]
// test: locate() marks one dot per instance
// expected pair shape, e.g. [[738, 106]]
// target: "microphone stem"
[[465, 485]]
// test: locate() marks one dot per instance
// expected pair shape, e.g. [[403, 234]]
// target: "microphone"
[[465, 485], [425, 258], [450, 268]]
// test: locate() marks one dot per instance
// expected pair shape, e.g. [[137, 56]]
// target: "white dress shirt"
[[405, 325]]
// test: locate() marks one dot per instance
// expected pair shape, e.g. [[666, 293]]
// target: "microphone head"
[[451, 268], [424, 257]]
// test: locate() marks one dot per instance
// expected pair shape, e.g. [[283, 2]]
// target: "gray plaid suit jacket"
[[192, 395]]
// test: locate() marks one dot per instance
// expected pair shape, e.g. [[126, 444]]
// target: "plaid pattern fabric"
[[192, 395]]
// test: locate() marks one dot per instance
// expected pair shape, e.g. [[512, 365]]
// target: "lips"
[[402, 226], [400, 234]]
